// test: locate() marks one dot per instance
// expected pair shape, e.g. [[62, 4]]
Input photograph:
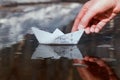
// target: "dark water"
[[16, 62]]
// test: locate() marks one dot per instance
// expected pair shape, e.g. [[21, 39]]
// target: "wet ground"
[[16, 61]]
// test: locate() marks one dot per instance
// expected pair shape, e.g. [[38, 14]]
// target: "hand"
[[97, 70], [95, 14]]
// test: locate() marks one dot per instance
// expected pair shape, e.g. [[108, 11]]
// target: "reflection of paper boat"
[[57, 37], [44, 51], [55, 52]]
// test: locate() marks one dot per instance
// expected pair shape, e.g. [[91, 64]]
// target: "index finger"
[[80, 15]]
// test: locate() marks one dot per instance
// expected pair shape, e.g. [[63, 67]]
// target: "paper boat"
[[57, 37]]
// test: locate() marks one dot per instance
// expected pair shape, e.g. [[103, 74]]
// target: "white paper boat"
[[57, 37]]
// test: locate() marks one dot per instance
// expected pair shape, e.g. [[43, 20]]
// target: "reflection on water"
[[16, 62], [14, 66], [56, 52], [97, 70]]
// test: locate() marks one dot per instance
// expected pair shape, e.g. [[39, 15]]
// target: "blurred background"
[[18, 43]]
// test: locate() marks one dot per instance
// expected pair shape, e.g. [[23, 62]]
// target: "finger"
[[80, 15], [100, 62], [75, 25], [90, 59], [86, 58], [78, 61], [84, 73], [103, 22], [87, 30], [92, 28], [87, 17], [77, 20], [99, 26], [91, 13], [108, 19]]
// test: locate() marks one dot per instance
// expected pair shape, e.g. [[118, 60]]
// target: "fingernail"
[[80, 26], [92, 29], [87, 31], [96, 30]]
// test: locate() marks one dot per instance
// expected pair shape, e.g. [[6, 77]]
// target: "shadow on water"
[[16, 62]]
